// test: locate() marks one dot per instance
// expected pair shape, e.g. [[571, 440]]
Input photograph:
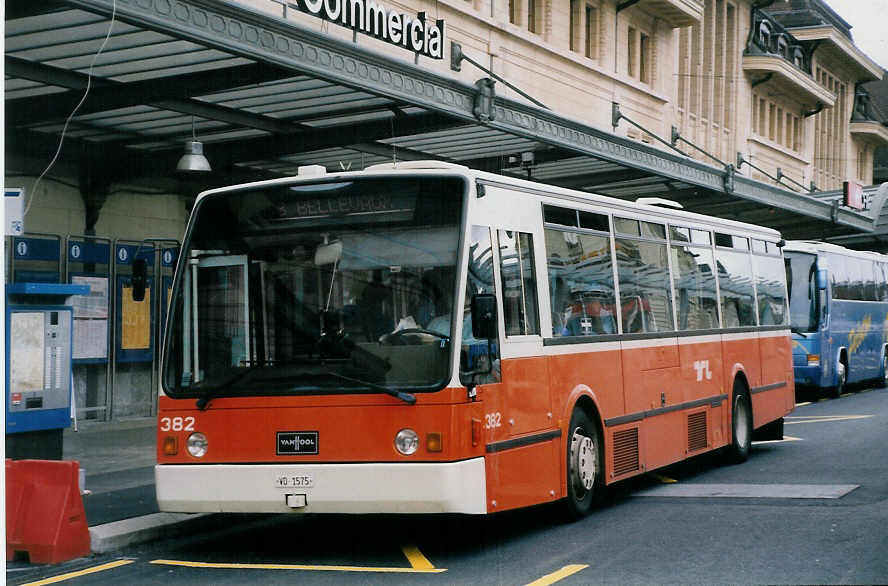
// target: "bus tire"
[[741, 425], [585, 465], [841, 379], [883, 378]]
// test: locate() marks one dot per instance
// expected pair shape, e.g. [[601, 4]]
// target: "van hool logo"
[[417, 34], [298, 443]]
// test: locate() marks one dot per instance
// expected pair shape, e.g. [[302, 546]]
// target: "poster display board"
[[91, 319], [135, 324]]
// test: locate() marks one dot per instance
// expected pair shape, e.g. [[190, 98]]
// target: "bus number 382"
[[177, 424]]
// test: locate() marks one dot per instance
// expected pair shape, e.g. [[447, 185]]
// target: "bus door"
[[217, 285], [525, 374]]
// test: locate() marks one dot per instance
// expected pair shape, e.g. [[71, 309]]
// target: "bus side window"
[[476, 364], [736, 286], [694, 282], [519, 283]]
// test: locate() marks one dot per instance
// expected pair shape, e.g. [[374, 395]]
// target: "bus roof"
[[815, 247], [424, 168]]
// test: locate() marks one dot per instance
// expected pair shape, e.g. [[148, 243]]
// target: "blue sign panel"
[[88, 252], [168, 256], [126, 253], [35, 249]]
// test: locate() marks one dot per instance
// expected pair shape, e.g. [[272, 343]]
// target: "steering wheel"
[[396, 338]]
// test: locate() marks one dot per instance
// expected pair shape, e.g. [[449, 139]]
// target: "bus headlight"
[[813, 359], [407, 441], [197, 444]]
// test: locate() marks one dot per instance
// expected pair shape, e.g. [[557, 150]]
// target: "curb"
[[119, 534]]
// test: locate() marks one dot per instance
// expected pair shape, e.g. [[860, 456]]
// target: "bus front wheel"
[[585, 465], [741, 425], [841, 379], [883, 380]]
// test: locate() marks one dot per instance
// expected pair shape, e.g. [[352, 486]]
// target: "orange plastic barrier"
[[44, 511]]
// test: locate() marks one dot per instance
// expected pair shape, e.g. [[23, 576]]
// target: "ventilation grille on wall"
[[625, 451], [697, 431]]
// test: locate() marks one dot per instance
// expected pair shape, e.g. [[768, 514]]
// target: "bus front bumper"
[[807, 376], [424, 487]]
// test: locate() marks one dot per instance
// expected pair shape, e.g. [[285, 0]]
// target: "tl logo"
[[702, 368]]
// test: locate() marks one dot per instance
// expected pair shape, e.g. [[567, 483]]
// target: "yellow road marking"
[[416, 559], [803, 404], [559, 575], [77, 574], [664, 479], [232, 566], [823, 418]]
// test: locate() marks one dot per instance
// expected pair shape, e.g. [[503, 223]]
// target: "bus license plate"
[[298, 481]]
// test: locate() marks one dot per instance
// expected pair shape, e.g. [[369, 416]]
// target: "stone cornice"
[[870, 131], [801, 84], [867, 69], [676, 13]]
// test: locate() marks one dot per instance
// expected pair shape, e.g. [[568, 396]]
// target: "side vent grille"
[[625, 451], [697, 431]]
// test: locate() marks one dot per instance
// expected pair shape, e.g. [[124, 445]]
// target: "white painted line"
[[823, 418], [773, 491], [786, 438]]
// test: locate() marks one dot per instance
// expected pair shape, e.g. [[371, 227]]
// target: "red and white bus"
[[429, 338]]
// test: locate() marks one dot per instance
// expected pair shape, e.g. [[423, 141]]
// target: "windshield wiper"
[[798, 331], [406, 397], [204, 400]]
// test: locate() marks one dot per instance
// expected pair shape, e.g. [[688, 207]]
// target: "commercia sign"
[[417, 34]]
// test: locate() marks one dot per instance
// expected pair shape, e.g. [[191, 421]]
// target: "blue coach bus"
[[838, 302]]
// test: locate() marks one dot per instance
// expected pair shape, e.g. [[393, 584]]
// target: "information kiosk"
[[38, 368]]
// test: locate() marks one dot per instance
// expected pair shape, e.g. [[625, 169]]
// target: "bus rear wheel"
[[585, 465], [741, 425]]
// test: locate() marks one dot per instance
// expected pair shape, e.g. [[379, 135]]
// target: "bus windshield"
[[339, 286], [801, 272]]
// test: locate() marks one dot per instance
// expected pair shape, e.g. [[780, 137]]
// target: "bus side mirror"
[[140, 279], [484, 316], [822, 281]]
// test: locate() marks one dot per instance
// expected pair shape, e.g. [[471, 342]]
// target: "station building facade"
[[773, 89]]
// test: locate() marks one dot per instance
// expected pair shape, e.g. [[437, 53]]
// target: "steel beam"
[[76, 81], [106, 96]]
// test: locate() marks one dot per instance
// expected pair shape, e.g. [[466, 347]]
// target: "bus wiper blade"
[[798, 331], [204, 400], [406, 397]]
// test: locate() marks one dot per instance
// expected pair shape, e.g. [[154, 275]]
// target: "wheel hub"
[[582, 457], [741, 425]]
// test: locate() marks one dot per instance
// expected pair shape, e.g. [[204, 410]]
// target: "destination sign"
[[347, 205]]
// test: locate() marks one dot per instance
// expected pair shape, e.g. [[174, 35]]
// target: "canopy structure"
[[266, 95]]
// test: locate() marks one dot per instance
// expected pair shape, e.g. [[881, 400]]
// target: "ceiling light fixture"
[[193, 161]]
